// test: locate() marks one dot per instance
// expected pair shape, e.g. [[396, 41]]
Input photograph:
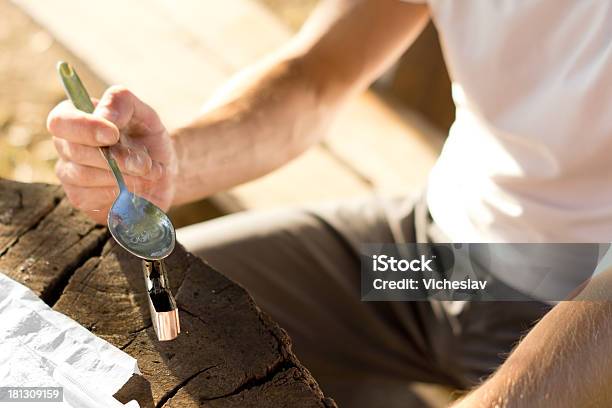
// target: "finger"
[[67, 122], [79, 153], [72, 173], [94, 199], [121, 107], [132, 161], [134, 117]]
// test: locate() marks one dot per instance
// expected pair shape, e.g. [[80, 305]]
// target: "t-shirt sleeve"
[[605, 263]]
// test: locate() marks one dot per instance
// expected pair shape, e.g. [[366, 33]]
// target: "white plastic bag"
[[42, 347]]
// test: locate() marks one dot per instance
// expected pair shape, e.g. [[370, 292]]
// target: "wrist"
[[189, 151], [177, 145]]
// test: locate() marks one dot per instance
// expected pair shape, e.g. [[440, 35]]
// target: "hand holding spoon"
[[135, 223]]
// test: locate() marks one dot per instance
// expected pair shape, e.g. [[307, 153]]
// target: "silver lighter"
[[164, 312]]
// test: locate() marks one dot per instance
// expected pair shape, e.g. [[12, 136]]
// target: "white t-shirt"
[[529, 157]]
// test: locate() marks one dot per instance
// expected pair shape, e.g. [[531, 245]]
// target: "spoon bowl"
[[141, 227]]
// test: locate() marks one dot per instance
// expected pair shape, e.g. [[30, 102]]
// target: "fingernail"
[[136, 163], [104, 137]]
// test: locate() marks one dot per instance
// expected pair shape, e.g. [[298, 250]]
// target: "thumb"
[[121, 107]]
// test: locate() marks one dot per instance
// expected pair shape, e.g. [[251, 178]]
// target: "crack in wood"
[[289, 361], [167, 396], [83, 282], [141, 329], [195, 316], [219, 291], [55, 290], [284, 363], [258, 381], [182, 282], [51, 293], [31, 227], [135, 333]]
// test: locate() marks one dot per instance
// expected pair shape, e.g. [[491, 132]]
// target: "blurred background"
[[411, 102]]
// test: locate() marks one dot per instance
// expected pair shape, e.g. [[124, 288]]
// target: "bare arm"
[[565, 361], [266, 116], [275, 110]]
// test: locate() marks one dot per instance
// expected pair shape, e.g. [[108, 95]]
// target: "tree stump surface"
[[229, 353]]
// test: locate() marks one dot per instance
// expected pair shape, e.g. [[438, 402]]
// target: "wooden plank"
[[394, 149], [228, 348], [21, 210], [228, 354], [236, 32], [49, 238], [310, 172], [273, 393]]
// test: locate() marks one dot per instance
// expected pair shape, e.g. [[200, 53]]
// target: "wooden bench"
[[229, 353], [175, 54]]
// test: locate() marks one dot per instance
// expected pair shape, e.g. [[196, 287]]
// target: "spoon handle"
[[80, 99]]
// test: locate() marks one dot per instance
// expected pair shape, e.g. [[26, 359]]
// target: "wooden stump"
[[229, 353]]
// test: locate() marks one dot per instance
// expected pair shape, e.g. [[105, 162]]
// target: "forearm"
[[565, 361], [267, 117], [283, 105]]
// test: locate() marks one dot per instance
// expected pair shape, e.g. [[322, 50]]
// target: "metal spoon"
[[137, 225]]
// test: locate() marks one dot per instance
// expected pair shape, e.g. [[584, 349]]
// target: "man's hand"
[[139, 143], [564, 361]]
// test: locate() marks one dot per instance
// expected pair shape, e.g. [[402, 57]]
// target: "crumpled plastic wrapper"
[[42, 347]]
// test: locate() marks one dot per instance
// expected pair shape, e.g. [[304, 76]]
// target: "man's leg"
[[302, 268]]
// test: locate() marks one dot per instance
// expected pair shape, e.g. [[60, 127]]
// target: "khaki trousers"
[[302, 267]]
